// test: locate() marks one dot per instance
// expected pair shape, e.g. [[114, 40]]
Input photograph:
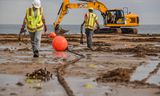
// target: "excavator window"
[[115, 17]]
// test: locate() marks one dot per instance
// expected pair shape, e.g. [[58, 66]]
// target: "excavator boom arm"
[[95, 5], [67, 5]]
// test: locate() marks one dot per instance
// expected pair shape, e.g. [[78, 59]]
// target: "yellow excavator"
[[115, 20]]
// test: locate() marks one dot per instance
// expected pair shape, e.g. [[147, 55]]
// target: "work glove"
[[81, 25], [19, 37], [45, 34], [56, 28], [45, 28], [21, 31], [81, 41], [81, 38], [98, 27]]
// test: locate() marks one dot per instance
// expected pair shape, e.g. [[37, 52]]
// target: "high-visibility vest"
[[90, 20], [34, 23]]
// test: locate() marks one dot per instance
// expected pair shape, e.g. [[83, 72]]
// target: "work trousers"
[[35, 40], [89, 35]]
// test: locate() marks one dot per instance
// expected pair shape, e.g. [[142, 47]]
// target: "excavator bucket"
[[59, 30]]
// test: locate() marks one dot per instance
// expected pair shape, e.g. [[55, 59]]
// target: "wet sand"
[[120, 65]]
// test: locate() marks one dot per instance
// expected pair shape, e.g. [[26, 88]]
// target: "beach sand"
[[128, 65]]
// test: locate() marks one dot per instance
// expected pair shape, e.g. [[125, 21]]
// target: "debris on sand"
[[10, 50], [98, 43], [40, 74], [157, 93], [150, 39], [88, 86], [125, 75], [13, 94], [139, 54], [2, 89], [24, 49], [7, 49], [38, 86], [19, 84], [103, 48], [116, 75], [140, 50]]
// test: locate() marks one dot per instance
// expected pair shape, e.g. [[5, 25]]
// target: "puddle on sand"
[[155, 79], [10, 47], [157, 45], [79, 47], [51, 88], [10, 79], [144, 72], [77, 84], [46, 57]]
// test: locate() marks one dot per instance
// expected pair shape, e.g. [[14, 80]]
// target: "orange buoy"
[[52, 35], [59, 43]]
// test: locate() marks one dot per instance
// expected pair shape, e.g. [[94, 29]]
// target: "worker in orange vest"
[[90, 21]]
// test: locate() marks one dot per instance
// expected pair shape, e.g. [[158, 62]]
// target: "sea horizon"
[[75, 28]]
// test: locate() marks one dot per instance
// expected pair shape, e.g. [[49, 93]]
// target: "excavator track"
[[129, 30], [116, 30]]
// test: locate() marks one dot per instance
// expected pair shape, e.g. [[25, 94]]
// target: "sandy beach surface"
[[120, 65]]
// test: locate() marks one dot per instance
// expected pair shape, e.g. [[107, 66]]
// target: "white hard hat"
[[36, 3]]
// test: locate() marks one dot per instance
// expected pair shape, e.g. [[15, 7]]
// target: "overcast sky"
[[13, 11]]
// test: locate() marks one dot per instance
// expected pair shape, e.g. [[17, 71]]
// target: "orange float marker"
[[59, 43], [52, 35]]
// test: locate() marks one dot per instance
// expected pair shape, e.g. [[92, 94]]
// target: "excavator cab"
[[119, 21], [115, 16], [118, 18]]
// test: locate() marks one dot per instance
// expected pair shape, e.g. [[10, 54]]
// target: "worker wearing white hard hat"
[[35, 23], [36, 3]]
